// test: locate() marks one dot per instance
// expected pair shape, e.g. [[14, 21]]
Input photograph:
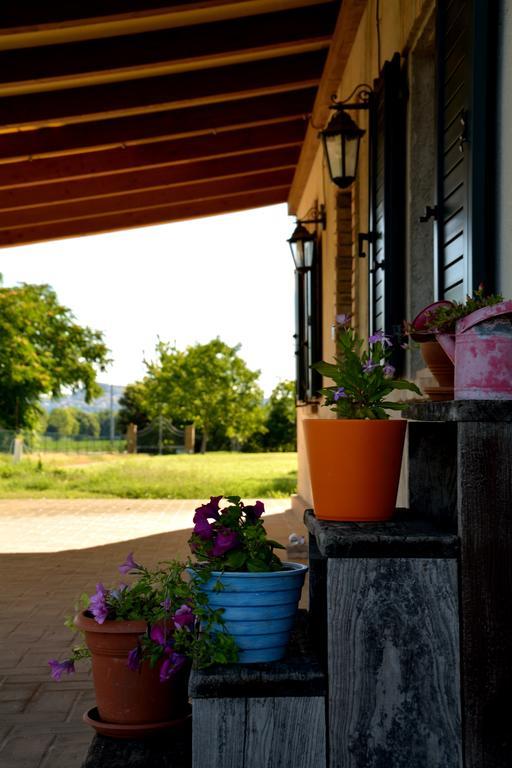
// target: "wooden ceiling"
[[124, 113]]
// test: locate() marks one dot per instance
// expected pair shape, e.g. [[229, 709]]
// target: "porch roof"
[[143, 113]]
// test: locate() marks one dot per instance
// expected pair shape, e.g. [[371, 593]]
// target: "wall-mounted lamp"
[[303, 242], [342, 137]]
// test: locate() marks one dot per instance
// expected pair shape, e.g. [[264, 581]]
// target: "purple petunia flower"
[[166, 604], [135, 659], [184, 617], [339, 393], [129, 565], [158, 635], [342, 319], [254, 512], [202, 527], [59, 667], [381, 337], [98, 604], [171, 666], [225, 541], [388, 370], [369, 366]]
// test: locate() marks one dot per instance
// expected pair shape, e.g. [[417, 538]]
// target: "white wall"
[[504, 151]]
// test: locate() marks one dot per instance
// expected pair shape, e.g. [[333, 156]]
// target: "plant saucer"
[[131, 730]]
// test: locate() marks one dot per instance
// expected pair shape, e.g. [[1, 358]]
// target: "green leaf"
[[402, 384], [327, 369]]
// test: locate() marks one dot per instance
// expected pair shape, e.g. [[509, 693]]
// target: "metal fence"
[[54, 443]]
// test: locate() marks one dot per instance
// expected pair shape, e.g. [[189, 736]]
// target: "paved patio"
[[50, 552]]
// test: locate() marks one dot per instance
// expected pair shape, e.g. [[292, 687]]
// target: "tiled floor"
[[50, 552]]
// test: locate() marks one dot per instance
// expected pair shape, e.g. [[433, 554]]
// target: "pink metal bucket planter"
[[481, 350]]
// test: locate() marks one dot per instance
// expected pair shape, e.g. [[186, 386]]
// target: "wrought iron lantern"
[[303, 242], [342, 138]]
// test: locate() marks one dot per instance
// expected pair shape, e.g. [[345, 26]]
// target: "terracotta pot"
[[122, 695], [354, 467], [438, 362]]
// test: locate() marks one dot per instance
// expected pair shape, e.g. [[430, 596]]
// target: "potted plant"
[[355, 459], [240, 573], [142, 637], [434, 356], [477, 337]]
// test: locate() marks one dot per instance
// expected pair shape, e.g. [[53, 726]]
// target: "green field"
[[58, 476]]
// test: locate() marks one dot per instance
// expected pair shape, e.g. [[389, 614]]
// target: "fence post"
[[190, 438], [18, 449], [131, 438]]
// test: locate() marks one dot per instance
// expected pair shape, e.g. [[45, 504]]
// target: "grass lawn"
[[59, 476]]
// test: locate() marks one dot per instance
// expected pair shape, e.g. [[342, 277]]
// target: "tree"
[[42, 350], [281, 432], [88, 423], [63, 422], [208, 384], [133, 406]]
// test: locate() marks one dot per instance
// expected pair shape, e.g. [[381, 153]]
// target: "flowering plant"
[[233, 538], [363, 377], [443, 318], [173, 609]]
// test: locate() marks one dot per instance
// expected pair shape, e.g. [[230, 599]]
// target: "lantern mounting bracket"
[[317, 214]]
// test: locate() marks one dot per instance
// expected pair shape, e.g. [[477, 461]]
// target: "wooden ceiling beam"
[[152, 216], [147, 179], [28, 27], [197, 148], [159, 93], [140, 129], [145, 199], [166, 52]]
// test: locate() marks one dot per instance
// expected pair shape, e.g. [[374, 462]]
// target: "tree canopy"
[[208, 384], [281, 432], [42, 350]]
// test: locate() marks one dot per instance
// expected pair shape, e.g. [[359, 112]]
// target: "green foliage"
[[42, 350], [281, 422], [63, 422], [444, 319], [208, 384], [133, 406], [88, 423], [362, 377]]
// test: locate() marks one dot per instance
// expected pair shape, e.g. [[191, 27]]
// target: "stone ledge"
[[460, 410], [170, 749], [404, 536], [298, 674]]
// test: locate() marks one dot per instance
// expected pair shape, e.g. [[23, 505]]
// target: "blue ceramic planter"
[[259, 609]]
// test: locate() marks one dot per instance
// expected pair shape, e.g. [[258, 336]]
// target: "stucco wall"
[[504, 151]]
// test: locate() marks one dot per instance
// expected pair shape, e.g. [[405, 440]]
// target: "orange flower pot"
[[123, 696], [354, 466]]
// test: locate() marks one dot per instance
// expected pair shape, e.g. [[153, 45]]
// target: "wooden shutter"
[[465, 154], [308, 329], [387, 204]]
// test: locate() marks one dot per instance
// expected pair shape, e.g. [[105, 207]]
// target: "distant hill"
[[77, 400]]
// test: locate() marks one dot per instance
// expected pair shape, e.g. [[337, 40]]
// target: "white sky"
[[229, 276]]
